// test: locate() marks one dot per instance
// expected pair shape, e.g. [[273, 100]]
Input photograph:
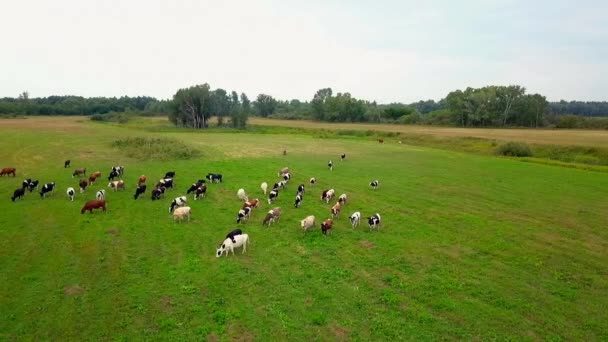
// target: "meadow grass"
[[473, 246]]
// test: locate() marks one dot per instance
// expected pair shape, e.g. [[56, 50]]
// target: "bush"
[[111, 117], [514, 149], [155, 148]]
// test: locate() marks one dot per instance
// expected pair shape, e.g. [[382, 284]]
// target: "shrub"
[[514, 149], [155, 148]]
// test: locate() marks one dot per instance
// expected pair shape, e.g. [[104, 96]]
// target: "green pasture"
[[473, 247]]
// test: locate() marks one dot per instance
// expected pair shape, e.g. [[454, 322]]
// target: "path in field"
[[537, 136]]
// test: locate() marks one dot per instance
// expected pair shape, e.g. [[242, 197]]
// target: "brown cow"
[[83, 185], [381, 141], [8, 171], [93, 204], [253, 203], [335, 210], [80, 171], [141, 180], [94, 176], [326, 226]]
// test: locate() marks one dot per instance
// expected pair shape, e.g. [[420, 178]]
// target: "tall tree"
[[191, 106], [245, 111], [265, 105], [319, 102]]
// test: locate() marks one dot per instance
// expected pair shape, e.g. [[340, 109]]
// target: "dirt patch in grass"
[[113, 231], [240, 333], [166, 303], [367, 244], [73, 290], [339, 332], [213, 338]]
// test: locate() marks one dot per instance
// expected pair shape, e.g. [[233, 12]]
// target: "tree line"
[[490, 106]]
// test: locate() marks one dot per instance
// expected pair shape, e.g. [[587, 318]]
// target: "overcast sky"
[[388, 51]]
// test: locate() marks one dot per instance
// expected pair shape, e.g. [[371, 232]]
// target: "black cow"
[[301, 189], [18, 194], [47, 188], [200, 191], [343, 156], [33, 185], [170, 174], [234, 233], [140, 191], [167, 183], [66, 163]]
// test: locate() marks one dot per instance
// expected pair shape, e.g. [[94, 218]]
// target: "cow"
[[381, 141], [101, 195], [254, 203], [264, 187], [120, 170], [327, 195], [227, 246], [83, 185], [242, 195], [18, 194], [243, 215], [234, 233], [272, 216], [93, 177], [79, 171], [141, 180], [178, 202], [374, 222], [342, 199], [355, 218], [283, 171], [115, 185], [298, 201], [326, 226], [113, 174], [287, 176], [166, 182], [272, 195], [8, 171], [307, 223], [158, 192], [140, 191], [335, 210], [374, 184], [66, 163], [200, 192], [301, 189], [313, 180], [181, 213], [343, 156], [33, 185], [47, 188], [169, 174], [330, 165], [94, 204], [214, 177], [25, 183], [71, 192]]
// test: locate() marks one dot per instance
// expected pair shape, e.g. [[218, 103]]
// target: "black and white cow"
[[195, 186], [169, 174], [178, 202], [200, 192], [120, 170], [374, 184], [140, 191], [287, 176], [374, 221], [47, 188], [113, 174], [18, 194], [313, 180], [301, 189], [26, 183], [272, 195], [158, 192], [165, 182], [214, 177], [33, 185], [343, 156], [71, 192], [100, 195], [234, 233], [330, 165], [298, 201], [243, 215]]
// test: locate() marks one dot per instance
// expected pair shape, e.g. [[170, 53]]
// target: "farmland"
[[472, 247]]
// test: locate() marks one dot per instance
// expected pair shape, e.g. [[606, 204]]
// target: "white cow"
[[228, 246], [355, 218]]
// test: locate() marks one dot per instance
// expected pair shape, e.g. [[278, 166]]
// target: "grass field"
[[473, 247]]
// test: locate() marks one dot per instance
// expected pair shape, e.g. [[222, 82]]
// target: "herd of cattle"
[[180, 211]]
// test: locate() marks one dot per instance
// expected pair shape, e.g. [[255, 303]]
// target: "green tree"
[[319, 102], [265, 105], [191, 106]]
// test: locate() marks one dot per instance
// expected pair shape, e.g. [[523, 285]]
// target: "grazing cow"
[[343, 156], [181, 213], [8, 171], [326, 226], [71, 192], [264, 187], [342, 199], [355, 218], [335, 210], [313, 180], [272, 195], [193, 187], [140, 191], [94, 204], [254, 203], [298, 201], [141, 180], [307, 223], [214, 177], [169, 174], [47, 188], [33, 185], [242, 195], [66, 163], [93, 177], [18, 194], [374, 184], [101, 195], [178, 202], [200, 192], [374, 222], [301, 189], [120, 170], [79, 171], [282, 184], [276, 186], [158, 192], [234, 233], [287, 176], [113, 174], [227, 246], [166, 182], [243, 215], [83, 185], [115, 185], [26, 183], [381, 141], [272, 216], [283, 171], [327, 195], [330, 165]]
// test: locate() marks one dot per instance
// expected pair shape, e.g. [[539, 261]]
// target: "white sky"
[[388, 51]]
